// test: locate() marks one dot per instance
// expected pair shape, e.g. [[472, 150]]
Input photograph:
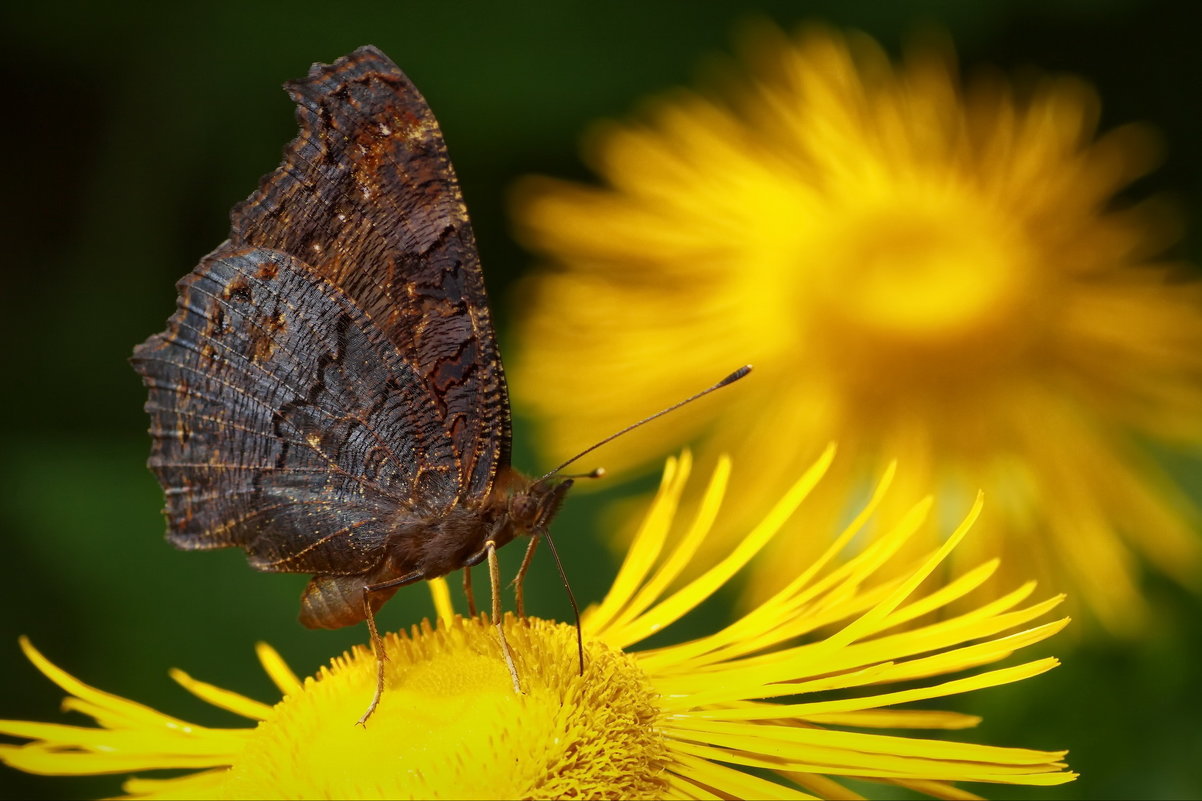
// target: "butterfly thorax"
[[516, 506]]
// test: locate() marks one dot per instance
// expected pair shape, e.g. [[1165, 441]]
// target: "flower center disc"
[[451, 726]]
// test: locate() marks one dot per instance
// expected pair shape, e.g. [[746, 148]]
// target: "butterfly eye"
[[524, 511]]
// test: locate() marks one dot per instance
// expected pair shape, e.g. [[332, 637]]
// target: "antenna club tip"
[[598, 472], [736, 375]]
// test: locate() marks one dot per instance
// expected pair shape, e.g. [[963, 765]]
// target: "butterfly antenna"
[[730, 379], [571, 598], [596, 472]]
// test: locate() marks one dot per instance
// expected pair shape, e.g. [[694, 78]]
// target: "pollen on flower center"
[[450, 725]]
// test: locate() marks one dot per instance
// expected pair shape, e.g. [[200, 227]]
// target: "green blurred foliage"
[[132, 128]]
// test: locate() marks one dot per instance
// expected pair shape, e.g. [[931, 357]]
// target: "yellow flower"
[[769, 692], [917, 270]]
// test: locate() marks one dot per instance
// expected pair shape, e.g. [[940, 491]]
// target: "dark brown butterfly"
[[328, 395]]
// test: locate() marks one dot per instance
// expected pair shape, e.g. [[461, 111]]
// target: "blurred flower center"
[[928, 288], [917, 280]]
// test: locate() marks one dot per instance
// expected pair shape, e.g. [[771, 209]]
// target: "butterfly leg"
[[467, 591], [377, 642], [521, 576], [494, 572], [377, 647]]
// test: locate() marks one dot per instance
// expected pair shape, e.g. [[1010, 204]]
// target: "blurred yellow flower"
[[917, 270], [676, 721]]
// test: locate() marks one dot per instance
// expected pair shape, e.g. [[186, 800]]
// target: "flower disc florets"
[[450, 725]]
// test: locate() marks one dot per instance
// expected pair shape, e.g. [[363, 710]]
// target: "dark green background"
[[129, 131]]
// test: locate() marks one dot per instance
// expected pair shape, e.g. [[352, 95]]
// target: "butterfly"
[[328, 395]]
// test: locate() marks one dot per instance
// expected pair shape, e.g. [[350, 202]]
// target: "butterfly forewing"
[[366, 196]]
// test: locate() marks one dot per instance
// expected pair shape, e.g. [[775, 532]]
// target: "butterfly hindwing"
[[285, 423]]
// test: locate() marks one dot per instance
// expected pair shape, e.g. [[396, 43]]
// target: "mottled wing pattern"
[[331, 369], [367, 197], [284, 423]]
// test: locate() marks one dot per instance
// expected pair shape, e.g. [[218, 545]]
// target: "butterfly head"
[[530, 510]]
